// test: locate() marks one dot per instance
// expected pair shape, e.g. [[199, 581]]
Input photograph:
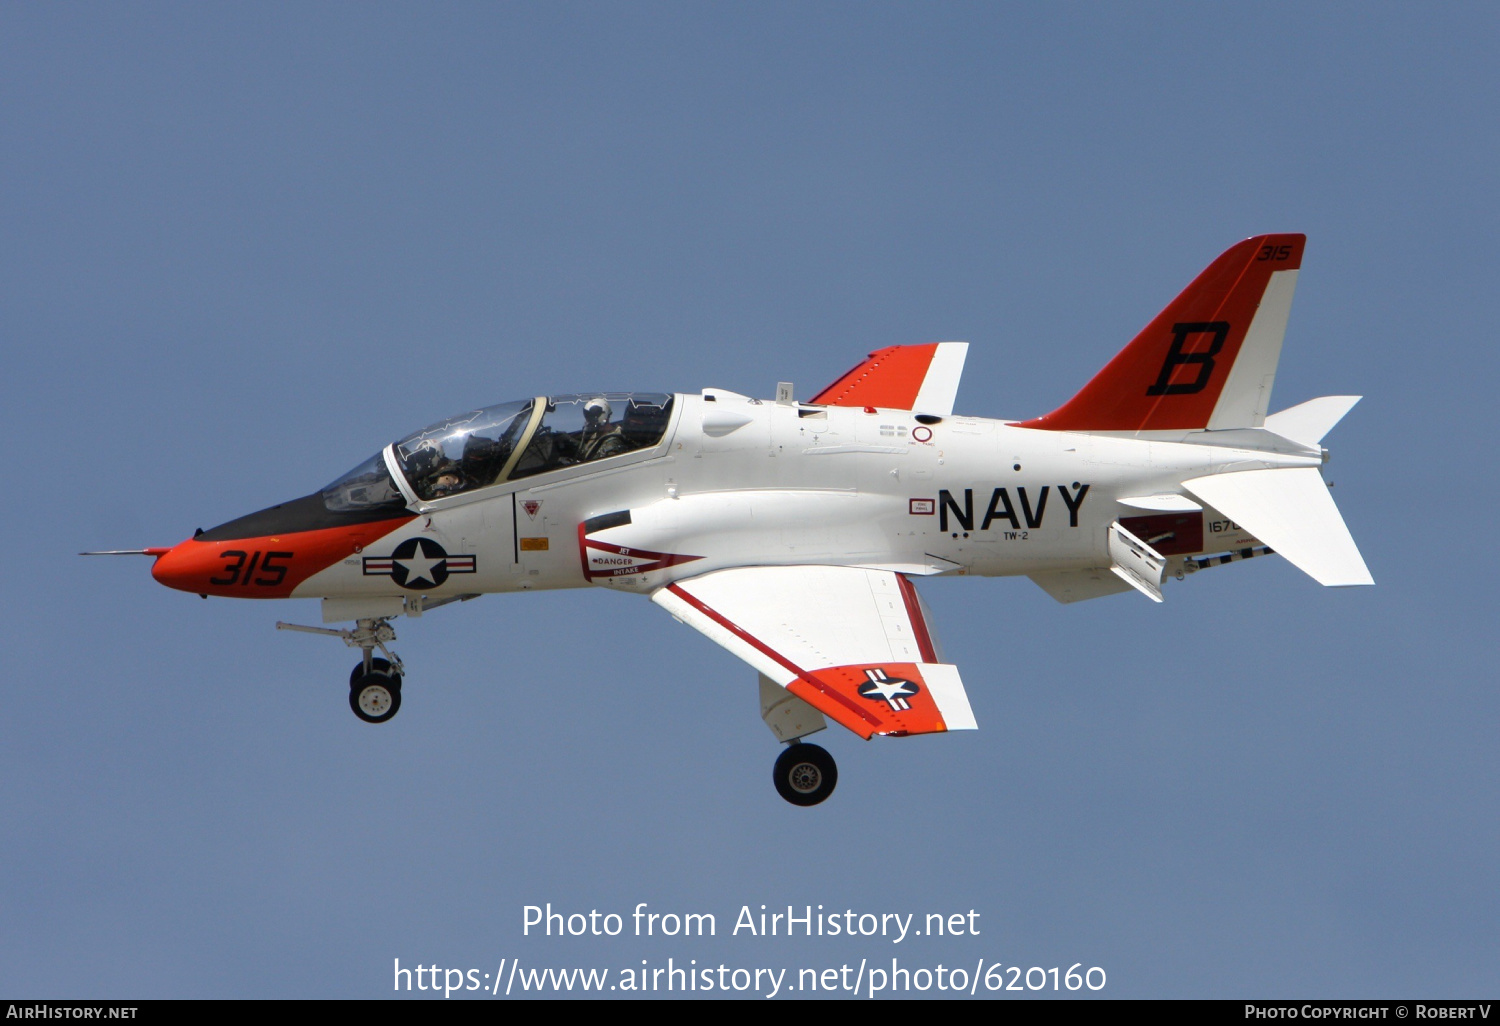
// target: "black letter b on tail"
[[1177, 358]]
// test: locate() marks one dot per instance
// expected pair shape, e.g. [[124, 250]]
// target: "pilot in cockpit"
[[600, 438], [449, 482], [432, 473]]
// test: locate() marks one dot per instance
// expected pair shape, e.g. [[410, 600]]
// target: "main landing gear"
[[805, 774], [374, 683]]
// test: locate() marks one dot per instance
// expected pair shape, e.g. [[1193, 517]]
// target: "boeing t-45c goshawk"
[[791, 532]]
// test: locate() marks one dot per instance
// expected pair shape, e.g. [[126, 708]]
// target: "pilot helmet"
[[596, 411]]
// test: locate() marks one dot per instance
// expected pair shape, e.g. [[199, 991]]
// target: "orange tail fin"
[[1208, 360]]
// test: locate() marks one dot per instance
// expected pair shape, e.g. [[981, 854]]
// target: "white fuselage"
[[739, 481]]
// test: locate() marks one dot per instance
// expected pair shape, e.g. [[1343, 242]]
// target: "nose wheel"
[[805, 774], [375, 697], [374, 691], [374, 683]]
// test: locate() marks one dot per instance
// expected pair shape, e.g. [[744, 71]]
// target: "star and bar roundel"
[[894, 691], [419, 563]]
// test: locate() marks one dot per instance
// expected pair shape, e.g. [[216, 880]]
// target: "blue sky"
[[245, 246]]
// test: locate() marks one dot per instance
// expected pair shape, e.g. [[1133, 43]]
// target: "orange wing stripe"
[[894, 693]]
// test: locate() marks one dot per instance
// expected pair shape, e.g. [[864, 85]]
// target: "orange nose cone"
[[264, 566], [188, 566]]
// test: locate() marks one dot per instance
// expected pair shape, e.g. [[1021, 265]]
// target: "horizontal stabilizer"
[[1308, 422], [1292, 511]]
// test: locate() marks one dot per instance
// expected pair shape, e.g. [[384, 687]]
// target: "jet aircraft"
[[791, 533]]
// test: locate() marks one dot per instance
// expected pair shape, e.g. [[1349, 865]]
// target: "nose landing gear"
[[374, 689], [374, 683]]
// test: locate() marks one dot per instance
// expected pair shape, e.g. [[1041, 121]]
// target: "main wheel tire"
[[377, 665], [805, 774], [376, 697]]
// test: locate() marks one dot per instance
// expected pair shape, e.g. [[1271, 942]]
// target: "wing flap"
[[851, 642]]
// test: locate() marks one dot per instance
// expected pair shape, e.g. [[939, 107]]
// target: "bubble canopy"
[[464, 452], [507, 442]]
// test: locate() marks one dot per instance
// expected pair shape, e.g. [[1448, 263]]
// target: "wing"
[[919, 378], [852, 643]]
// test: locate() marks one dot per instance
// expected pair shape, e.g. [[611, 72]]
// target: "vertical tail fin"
[[1208, 360]]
